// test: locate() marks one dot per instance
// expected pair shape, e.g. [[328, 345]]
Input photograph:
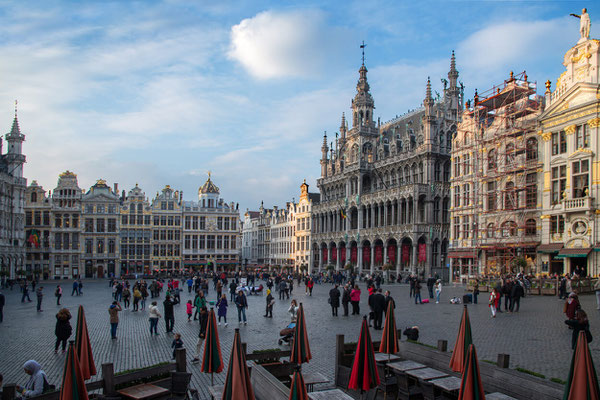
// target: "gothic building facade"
[[384, 188]]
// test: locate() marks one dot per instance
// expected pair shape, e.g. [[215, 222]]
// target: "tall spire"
[[15, 130], [362, 104], [428, 98], [453, 73]]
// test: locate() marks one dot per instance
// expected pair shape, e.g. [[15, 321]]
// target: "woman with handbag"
[[580, 323]]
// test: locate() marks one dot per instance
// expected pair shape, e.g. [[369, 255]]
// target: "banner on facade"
[[405, 253], [392, 254], [422, 257], [334, 254], [378, 254], [343, 255], [366, 254], [353, 255]]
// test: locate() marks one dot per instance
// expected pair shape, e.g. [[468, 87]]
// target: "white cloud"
[[285, 44]]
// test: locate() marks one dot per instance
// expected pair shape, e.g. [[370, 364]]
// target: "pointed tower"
[[343, 127], [452, 95], [15, 140], [324, 150], [428, 128], [363, 104]]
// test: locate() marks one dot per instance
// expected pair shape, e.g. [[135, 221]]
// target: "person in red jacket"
[[310, 286]]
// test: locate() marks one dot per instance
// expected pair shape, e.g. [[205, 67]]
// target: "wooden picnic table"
[[143, 391], [383, 357], [449, 384], [333, 394], [498, 396], [426, 373], [403, 366], [313, 378], [216, 392]]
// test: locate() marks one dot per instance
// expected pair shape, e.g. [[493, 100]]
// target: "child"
[[177, 343], [189, 310], [222, 309]]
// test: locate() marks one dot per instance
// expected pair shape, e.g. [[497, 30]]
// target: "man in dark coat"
[[2, 301], [346, 299], [430, 283], [334, 300], [389, 299], [411, 282], [515, 296], [169, 314], [377, 304], [506, 291]]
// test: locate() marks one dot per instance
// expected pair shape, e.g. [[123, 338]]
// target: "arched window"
[[509, 229], [140, 208], [530, 227], [406, 174], [34, 197], [492, 159], [490, 230], [421, 172], [437, 172], [132, 208], [510, 154], [415, 174], [532, 149], [510, 201]]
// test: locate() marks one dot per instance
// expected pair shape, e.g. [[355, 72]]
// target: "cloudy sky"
[[159, 92]]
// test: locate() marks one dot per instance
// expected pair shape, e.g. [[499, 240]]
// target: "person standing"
[[154, 316], [79, 287], [311, 285], [222, 309], [137, 296], [242, 304], [389, 299], [199, 302], [232, 287], [58, 294], [40, 296], [418, 292], [2, 302], [203, 317], [63, 329], [571, 306], [438, 291], [578, 324], [169, 313], [25, 293], [411, 282], [430, 285], [346, 299], [515, 295], [113, 311], [270, 303], [219, 289], [293, 310], [475, 291], [377, 303], [493, 303], [334, 300], [75, 288], [596, 288], [506, 291], [126, 297], [355, 300]]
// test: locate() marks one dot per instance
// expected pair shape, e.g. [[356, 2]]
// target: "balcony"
[[579, 204]]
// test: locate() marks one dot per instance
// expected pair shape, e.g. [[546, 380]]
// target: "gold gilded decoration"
[[562, 119], [570, 129], [579, 57], [68, 173], [546, 136], [594, 122]]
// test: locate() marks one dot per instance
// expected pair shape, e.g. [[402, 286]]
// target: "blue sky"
[[159, 92]]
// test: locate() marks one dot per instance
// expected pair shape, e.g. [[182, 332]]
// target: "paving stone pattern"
[[536, 338]]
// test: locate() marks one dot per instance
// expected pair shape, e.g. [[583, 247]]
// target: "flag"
[[34, 238], [343, 213]]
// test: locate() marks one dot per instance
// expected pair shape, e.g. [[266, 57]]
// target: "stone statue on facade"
[[584, 25]]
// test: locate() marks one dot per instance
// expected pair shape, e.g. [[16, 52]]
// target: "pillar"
[[359, 258], [337, 258], [398, 247], [413, 261], [372, 269], [384, 254], [320, 258]]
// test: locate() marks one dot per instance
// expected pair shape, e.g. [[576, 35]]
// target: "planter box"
[[549, 291]]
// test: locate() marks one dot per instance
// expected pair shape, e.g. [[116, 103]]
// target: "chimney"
[[116, 188]]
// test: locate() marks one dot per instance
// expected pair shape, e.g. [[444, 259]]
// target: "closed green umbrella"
[[582, 383], [237, 382], [300, 347], [470, 384], [463, 340], [83, 346], [73, 384], [211, 359], [298, 387], [389, 337], [364, 375]]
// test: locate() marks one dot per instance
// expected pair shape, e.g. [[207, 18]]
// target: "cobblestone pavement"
[[536, 338]]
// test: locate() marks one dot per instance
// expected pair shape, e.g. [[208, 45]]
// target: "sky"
[[160, 92]]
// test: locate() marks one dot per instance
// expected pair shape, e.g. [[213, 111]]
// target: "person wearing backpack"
[[63, 329]]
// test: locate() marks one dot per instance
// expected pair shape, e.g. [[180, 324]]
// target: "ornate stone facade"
[[136, 232], [385, 188]]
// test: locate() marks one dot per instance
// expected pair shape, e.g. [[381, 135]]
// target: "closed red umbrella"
[[211, 359], [298, 387], [389, 337], [582, 382], [73, 383], [300, 347], [237, 382], [83, 346], [470, 384], [364, 374], [463, 340]]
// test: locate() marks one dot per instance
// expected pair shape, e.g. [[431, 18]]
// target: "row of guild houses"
[[76, 233]]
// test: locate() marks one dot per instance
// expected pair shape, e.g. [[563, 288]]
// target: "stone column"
[[359, 258], [372, 269], [337, 258], [360, 217], [320, 258], [347, 254], [398, 247], [413, 266], [384, 254]]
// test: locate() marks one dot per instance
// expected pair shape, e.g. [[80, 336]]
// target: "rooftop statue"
[[584, 25]]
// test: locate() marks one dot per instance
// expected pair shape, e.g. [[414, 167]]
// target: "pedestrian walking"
[[270, 303], [189, 309], [242, 304], [25, 293], [493, 302], [438, 291], [199, 302], [137, 296], [334, 300], [311, 285], [79, 287], [113, 311], [169, 313], [63, 329], [2, 302], [177, 344], [58, 294], [75, 290], [346, 299], [203, 317], [154, 316], [355, 300], [222, 309], [39, 292]]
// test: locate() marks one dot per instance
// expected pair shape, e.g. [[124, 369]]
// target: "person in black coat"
[[377, 304], [62, 329], [2, 301], [169, 314], [346, 299], [580, 323], [389, 299], [334, 300], [515, 295], [430, 283], [203, 317]]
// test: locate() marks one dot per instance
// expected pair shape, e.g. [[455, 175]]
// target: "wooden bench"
[[266, 386]]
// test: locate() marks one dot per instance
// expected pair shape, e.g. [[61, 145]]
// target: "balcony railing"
[[579, 204]]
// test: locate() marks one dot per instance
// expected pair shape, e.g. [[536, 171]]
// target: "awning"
[[574, 252], [461, 254], [550, 248], [597, 247]]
